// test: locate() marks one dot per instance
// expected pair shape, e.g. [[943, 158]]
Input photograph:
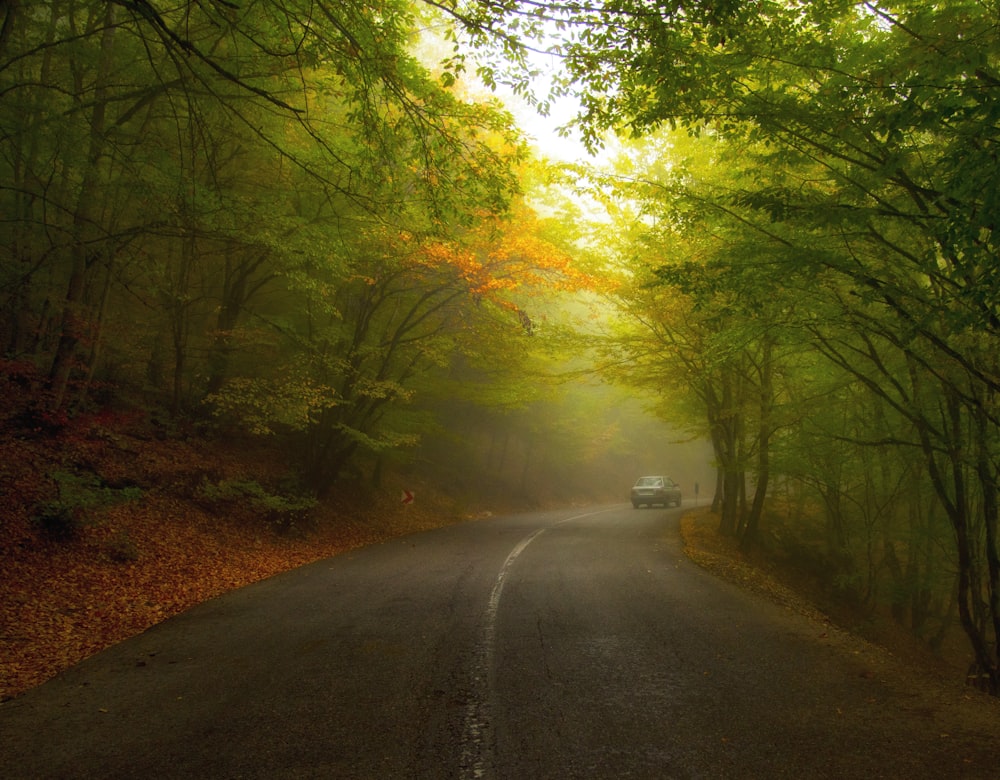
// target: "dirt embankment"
[[878, 634], [134, 563]]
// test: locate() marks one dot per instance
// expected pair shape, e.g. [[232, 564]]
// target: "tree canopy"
[[277, 213], [826, 244]]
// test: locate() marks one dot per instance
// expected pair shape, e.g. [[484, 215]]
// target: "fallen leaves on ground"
[[138, 563], [721, 555], [875, 641]]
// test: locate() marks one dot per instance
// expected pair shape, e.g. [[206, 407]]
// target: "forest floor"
[[787, 585], [131, 565]]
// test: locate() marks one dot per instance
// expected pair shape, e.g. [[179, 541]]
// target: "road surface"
[[565, 644]]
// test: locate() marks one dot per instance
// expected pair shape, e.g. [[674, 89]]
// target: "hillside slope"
[[160, 543]]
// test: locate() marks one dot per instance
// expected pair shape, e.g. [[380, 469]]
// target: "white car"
[[655, 490]]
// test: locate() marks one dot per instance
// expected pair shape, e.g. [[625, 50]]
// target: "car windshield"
[[650, 482]]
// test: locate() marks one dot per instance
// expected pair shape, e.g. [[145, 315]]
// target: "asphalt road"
[[566, 644]]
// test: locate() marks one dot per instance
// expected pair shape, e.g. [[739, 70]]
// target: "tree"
[[867, 117], [700, 319], [134, 133]]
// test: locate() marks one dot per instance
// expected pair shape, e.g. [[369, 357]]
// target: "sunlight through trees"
[[282, 218]]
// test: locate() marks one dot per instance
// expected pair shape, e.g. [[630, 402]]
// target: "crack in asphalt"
[[478, 753]]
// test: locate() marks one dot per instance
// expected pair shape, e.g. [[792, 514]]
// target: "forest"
[[316, 223]]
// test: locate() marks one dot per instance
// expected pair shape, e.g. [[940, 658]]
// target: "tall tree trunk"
[[956, 502], [75, 323], [22, 332], [720, 486], [10, 9], [724, 418], [180, 317], [237, 291], [988, 485], [766, 401], [98, 335]]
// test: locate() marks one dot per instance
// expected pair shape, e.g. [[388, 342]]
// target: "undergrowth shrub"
[[78, 496], [284, 512]]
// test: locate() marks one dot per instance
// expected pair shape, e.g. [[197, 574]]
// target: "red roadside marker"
[[407, 497]]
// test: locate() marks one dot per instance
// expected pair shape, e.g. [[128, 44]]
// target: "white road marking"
[[478, 740]]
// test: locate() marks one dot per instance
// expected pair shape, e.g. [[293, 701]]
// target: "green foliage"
[[79, 496], [241, 202], [821, 268], [284, 511]]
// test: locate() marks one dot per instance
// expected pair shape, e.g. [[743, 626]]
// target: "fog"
[[588, 444]]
